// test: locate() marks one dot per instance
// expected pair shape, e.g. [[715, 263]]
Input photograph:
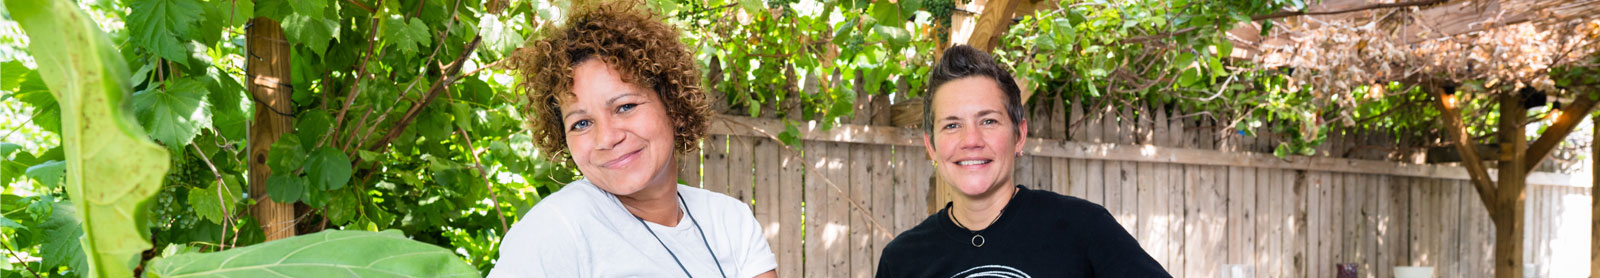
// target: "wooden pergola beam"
[[1552, 136], [1469, 156], [993, 21]]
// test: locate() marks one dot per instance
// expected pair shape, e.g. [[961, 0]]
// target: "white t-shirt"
[[583, 231]]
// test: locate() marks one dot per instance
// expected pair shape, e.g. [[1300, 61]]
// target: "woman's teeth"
[[972, 162]]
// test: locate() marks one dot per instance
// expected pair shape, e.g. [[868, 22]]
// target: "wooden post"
[[268, 70], [1509, 199]]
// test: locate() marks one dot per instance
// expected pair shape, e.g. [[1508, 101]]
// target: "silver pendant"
[[977, 240]]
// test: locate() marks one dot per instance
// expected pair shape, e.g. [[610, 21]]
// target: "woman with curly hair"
[[616, 92]]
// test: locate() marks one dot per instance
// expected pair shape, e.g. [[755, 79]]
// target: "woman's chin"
[[973, 188], [620, 186]]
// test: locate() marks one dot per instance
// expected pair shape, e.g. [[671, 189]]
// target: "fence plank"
[[1077, 168], [741, 184], [714, 151], [1452, 228], [1130, 182], [1337, 228], [771, 204], [1113, 170], [1383, 262], [1295, 246], [1319, 226], [1096, 170], [1208, 205], [882, 204], [1399, 245], [836, 226], [816, 210], [858, 189], [1263, 235], [1235, 184]]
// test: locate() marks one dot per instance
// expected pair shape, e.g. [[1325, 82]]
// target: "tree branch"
[[355, 86], [445, 79], [1469, 157], [1552, 136]]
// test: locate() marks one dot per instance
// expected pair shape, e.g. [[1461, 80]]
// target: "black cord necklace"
[[685, 207], [977, 236]]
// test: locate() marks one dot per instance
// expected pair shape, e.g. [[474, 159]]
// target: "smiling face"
[[618, 132], [973, 141]]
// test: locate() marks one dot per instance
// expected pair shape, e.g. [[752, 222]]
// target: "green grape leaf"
[[498, 37], [234, 13], [6, 149], [12, 73], [285, 187], [175, 114], [286, 155], [112, 166], [328, 169], [308, 7], [6, 222], [341, 208], [48, 173], [217, 202], [887, 13], [311, 126], [157, 24], [63, 235], [350, 253], [790, 135], [898, 37], [313, 31], [406, 35]]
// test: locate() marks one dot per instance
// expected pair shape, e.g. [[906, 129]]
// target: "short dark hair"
[[963, 61]]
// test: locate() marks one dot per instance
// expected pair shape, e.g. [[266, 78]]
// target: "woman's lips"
[[973, 163], [620, 161]]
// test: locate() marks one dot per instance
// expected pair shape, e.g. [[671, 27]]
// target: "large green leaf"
[[112, 166], [174, 115], [323, 254], [156, 25]]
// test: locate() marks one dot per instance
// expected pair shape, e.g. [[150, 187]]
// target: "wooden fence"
[[1194, 204]]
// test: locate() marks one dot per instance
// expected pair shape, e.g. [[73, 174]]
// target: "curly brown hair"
[[638, 44]]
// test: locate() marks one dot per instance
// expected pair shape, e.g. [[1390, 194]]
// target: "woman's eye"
[[580, 124], [626, 107], [990, 122], [951, 126]]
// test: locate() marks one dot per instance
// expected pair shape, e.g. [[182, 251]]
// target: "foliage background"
[[465, 169]]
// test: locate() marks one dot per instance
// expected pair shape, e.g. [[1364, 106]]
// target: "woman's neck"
[[976, 213], [657, 203]]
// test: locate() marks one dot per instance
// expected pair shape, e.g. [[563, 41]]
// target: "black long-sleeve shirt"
[[1040, 234]]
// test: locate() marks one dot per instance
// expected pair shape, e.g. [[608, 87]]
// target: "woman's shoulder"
[[1057, 202], [713, 200], [557, 212]]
